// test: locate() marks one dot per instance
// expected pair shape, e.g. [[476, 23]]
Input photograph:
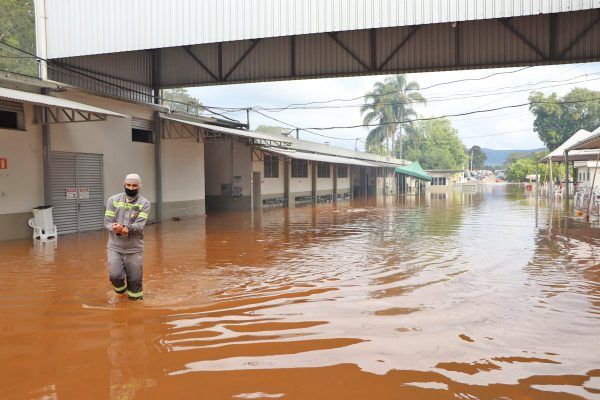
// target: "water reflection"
[[461, 295]]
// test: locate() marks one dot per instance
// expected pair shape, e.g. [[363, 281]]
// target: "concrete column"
[[314, 181], [334, 172], [158, 165], [566, 180], [286, 182]]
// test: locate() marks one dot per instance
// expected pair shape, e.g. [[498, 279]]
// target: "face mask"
[[131, 192]]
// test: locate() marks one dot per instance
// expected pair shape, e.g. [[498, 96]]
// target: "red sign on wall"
[[3, 163]]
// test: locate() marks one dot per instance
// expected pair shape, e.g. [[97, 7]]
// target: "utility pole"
[[248, 117], [356, 144], [297, 133], [471, 159]]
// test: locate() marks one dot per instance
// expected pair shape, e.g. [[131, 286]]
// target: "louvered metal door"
[[89, 180], [77, 191]]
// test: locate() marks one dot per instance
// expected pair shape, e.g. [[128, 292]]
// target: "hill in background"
[[497, 157]]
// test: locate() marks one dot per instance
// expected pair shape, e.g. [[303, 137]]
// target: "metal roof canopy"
[[208, 131], [59, 110], [589, 143], [301, 155], [557, 155], [184, 43], [415, 170]]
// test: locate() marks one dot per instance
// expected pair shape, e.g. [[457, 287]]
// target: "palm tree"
[[390, 105]]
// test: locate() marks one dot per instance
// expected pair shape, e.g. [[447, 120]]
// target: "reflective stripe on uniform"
[[129, 206], [118, 289], [135, 295], [109, 213], [143, 215]]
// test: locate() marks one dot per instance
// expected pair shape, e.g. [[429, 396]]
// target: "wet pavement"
[[462, 296]]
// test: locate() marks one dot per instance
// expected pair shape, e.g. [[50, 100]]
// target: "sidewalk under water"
[[453, 296]]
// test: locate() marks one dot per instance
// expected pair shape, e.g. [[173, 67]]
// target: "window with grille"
[[299, 168], [342, 171], [323, 170], [271, 166]]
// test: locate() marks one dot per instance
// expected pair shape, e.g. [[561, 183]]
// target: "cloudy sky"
[[503, 129]]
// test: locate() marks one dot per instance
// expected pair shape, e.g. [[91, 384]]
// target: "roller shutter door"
[[77, 191]]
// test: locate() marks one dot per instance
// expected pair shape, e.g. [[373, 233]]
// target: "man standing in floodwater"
[[125, 217]]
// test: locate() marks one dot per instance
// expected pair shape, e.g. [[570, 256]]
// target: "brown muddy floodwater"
[[464, 297]]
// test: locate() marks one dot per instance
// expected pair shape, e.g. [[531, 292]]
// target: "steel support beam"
[[579, 36], [242, 58], [508, 25], [411, 33], [348, 50], [200, 63]]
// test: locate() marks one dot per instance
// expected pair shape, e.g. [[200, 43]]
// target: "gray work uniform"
[[125, 251]]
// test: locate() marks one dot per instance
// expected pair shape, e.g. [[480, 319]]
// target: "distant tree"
[[436, 145], [512, 157], [557, 119], [181, 100], [389, 104], [479, 157], [518, 168], [274, 129], [17, 28]]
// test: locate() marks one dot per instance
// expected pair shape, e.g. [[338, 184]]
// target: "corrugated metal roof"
[[230, 131], [590, 142], [302, 155], [86, 27], [44, 100], [567, 37], [558, 153]]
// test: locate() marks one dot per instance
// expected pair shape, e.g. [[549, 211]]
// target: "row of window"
[[581, 176], [438, 181], [299, 168]]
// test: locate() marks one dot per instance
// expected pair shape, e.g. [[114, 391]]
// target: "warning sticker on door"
[[71, 193], [84, 193]]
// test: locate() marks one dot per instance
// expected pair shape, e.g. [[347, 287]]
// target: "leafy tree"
[[436, 145], [518, 168], [557, 119], [181, 100], [17, 28], [274, 129], [389, 104], [478, 156]]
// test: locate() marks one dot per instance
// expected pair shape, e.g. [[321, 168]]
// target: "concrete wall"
[[270, 187], [301, 186], [183, 175], [218, 166], [112, 138], [22, 183]]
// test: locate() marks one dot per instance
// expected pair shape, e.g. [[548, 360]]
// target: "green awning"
[[414, 170]]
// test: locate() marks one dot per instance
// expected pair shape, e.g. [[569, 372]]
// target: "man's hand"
[[117, 228], [124, 230]]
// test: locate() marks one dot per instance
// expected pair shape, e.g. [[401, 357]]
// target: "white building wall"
[[22, 183], [325, 183], [270, 186], [183, 170], [301, 185], [112, 138]]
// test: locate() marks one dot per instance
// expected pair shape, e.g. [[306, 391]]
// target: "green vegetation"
[[519, 165], [388, 104], [478, 156], [556, 122], [436, 145], [17, 28], [180, 100]]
